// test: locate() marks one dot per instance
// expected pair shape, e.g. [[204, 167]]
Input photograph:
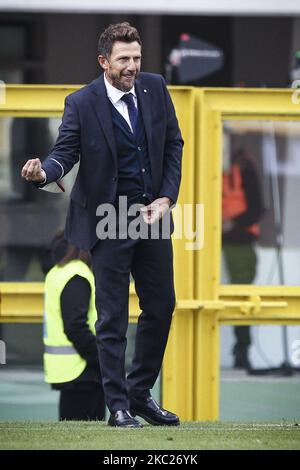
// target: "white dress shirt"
[[115, 95]]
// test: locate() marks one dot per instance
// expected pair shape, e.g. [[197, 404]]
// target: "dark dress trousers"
[[143, 165]]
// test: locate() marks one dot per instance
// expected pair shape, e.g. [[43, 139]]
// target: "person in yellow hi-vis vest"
[[70, 353]]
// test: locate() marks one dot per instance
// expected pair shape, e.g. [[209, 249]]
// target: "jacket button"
[[114, 178]]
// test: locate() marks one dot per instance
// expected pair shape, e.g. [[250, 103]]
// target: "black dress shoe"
[[151, 412], [123, 419]]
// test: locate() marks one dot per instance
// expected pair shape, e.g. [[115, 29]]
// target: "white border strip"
[[197, 7]]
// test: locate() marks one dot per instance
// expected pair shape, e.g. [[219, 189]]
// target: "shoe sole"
[[154, 423], [125, 427], [113, 425]]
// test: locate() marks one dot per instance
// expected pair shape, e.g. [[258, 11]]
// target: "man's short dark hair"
[[123, 32]]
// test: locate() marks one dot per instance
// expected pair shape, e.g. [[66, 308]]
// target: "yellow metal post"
[[177, 374], [207, 366], [208, 193], [178, 367]]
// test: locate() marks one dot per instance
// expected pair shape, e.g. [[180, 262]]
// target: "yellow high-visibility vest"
[[62, 363]]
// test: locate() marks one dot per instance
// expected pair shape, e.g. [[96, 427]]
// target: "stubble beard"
[[121, 85]]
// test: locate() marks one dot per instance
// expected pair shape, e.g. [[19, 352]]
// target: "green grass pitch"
[[188, 436]]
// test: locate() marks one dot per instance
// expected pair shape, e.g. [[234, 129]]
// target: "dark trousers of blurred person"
[[240, 261]]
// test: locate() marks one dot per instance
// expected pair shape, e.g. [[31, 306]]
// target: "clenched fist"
[[32, 171]]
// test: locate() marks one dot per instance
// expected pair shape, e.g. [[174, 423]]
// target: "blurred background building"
[[56, 41]]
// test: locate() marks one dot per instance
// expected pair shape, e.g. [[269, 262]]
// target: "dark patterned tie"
[[132, 110]]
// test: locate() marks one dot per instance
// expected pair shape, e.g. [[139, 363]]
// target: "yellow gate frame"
[[195, 395], [190, 382]]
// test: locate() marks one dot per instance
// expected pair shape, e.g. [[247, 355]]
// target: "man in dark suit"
[[123, 129]]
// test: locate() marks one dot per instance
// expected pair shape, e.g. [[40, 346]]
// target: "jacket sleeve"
[[74, 301], [172, 152], [66, 150]]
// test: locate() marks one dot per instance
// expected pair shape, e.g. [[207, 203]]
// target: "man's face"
[[123, 65]]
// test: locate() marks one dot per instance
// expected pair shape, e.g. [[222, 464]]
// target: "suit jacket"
[[86, 134]]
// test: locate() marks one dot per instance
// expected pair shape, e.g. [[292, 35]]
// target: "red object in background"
[[184, 37]]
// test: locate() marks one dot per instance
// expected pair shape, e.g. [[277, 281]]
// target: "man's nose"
[[131, 65]]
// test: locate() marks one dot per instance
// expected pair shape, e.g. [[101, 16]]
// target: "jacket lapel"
[[102, 108]]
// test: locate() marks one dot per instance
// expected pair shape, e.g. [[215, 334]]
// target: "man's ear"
[[102, 62]]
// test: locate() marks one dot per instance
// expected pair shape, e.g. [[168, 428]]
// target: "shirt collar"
[[113, 93]]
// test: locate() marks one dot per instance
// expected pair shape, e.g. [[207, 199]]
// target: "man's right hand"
[[32, 171]]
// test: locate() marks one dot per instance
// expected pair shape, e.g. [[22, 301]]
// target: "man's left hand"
[[156, 210]]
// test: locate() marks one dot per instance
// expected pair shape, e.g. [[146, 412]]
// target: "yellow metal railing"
[[191, 367]]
